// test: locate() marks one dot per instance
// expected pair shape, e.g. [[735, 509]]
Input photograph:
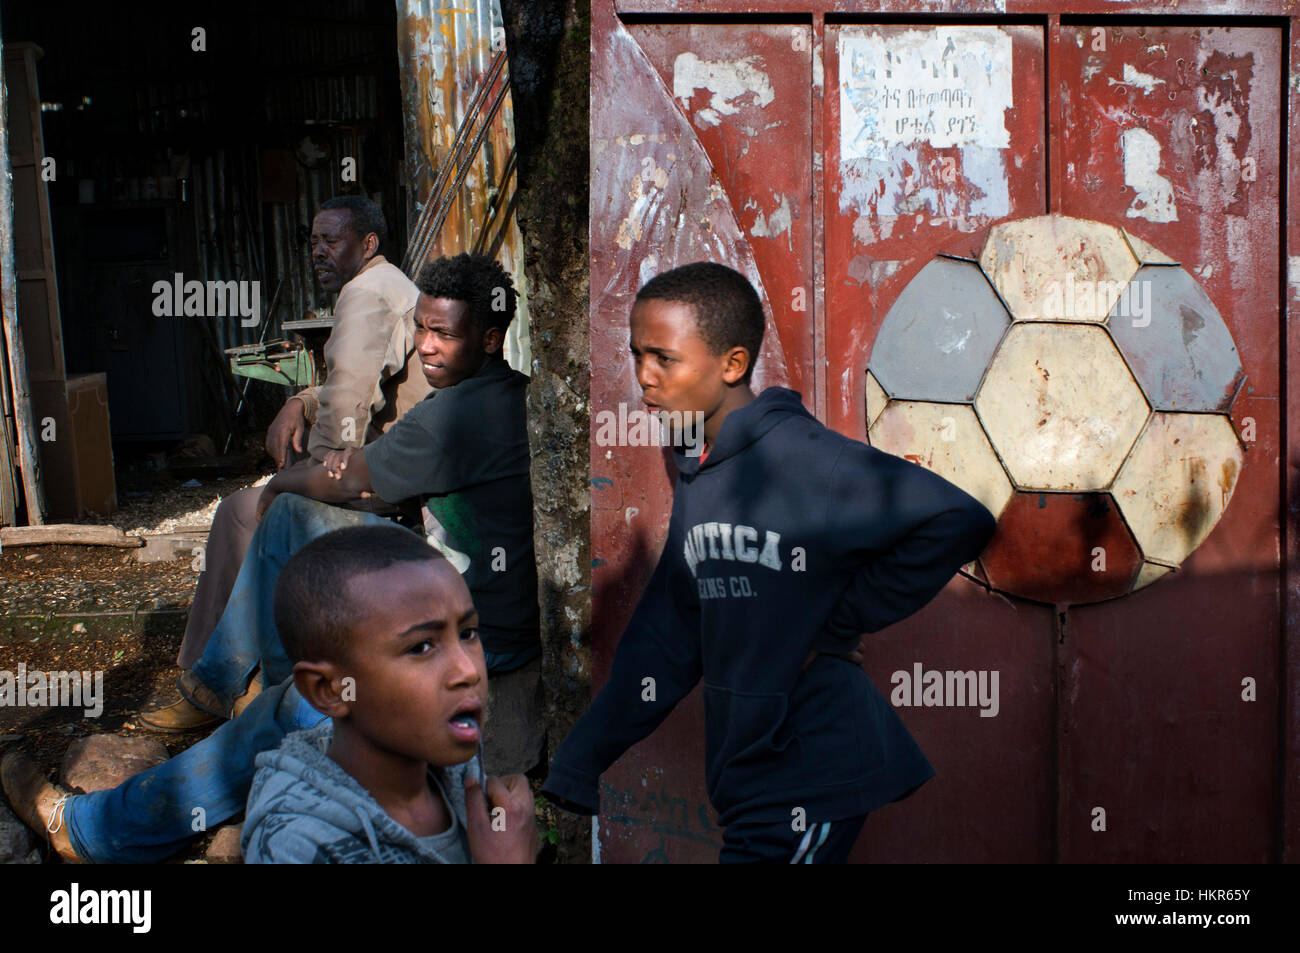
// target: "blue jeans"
[[153, 815], [245, 637]]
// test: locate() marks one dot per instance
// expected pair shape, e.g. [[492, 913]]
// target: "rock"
[[17, 842], [224, 848], [98, 762], [79, 629]]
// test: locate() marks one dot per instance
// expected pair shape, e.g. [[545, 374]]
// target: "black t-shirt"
[[462, 452]]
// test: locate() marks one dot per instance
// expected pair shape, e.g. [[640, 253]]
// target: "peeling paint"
[[1223, 135], [1133, 77], [1293, 275], [866, 270], [726, 80], [1154, 200], [774, 226]]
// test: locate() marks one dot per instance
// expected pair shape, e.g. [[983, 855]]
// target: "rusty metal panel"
[[744, 90], [892, 198], [444, 49], [896, 192], [966, 8], [1062, 548], [1172, 134], [1290, 441]]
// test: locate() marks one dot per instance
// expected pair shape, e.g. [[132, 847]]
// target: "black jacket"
[[789, 537]]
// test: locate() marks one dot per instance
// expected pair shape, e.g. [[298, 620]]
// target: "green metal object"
[[278, 362]]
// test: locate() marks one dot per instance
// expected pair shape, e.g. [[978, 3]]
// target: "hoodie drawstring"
[[370, 833]]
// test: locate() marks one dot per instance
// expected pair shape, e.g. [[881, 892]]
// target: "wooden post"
[[13, 336], [8, 466]]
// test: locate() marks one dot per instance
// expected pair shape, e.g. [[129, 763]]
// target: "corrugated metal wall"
[[445, 48]]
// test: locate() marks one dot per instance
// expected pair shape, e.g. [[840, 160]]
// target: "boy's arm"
[[914, 529], [662, 642], [312, 480]]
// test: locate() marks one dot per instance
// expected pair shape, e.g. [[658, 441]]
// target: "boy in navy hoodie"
[[787, 541]]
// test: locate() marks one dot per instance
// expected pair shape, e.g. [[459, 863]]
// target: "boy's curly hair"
[[479, 281]]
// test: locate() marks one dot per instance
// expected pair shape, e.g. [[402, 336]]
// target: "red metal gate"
[[1145, 728]]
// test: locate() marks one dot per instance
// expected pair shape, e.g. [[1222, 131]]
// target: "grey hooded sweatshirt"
[[304, 808]]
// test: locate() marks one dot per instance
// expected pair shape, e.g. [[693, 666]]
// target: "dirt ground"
[[94, 608]]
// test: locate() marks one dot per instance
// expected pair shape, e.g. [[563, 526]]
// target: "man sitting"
[[373, 377]]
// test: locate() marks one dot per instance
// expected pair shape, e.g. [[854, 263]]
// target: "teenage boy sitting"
[[384, 639], [786, 542]]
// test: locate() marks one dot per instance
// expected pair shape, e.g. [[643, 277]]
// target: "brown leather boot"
[[243, 701], [196, 705], [37, 802], [194, 709]]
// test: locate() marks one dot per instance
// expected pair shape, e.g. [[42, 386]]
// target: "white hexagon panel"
[[1053, 267], [1061, 407], [1177, 482], [948, 439], [1101, 417]]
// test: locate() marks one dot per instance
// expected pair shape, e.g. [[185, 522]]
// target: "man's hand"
[[502, 826], [287, 429], [857, 655], [336, 461]]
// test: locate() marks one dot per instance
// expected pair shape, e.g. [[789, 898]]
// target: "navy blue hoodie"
[[789, 537]]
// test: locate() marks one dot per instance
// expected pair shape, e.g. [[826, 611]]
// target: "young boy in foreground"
[[384, 639], [787, 541]]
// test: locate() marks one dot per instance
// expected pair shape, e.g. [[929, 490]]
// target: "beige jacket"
[[373, 374]]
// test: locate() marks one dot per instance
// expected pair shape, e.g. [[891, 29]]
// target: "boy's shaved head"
[[727, 309], [315, 609]]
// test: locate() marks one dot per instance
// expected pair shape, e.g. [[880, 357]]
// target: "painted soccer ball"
[[1077, 382]]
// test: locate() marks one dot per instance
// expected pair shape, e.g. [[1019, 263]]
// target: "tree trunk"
[[548, 43]]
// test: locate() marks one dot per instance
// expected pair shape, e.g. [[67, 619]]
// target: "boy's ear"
[[326, 687], [493, 338], [737, 361]]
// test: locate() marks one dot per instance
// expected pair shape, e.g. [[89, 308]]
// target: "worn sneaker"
[[38, 803]]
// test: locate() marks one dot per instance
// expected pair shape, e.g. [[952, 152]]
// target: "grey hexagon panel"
[[1175, 341], [938, 337]]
